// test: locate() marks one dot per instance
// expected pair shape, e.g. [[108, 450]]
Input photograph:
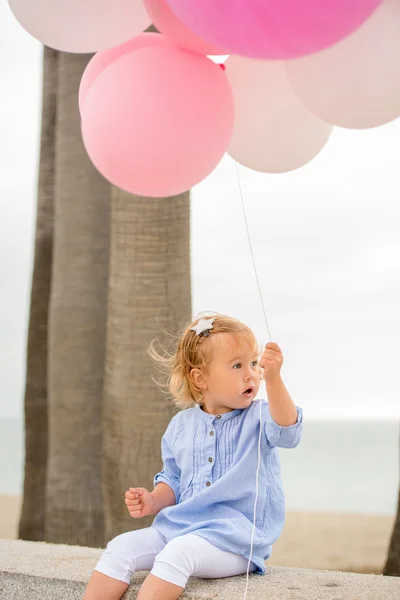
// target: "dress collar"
[[222, 417]]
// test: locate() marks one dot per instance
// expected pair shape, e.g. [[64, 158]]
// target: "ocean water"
[[338, 466]]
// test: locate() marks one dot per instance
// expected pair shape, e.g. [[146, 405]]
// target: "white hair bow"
[[203, 327]]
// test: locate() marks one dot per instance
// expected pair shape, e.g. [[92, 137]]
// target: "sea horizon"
[[340, 465]]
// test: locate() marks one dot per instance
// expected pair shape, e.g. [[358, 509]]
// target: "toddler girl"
[[204, 496]]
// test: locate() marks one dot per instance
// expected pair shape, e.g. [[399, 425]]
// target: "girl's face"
[[233, 377]]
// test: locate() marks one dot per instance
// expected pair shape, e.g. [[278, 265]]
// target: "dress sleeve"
[[170, 474], [281, 436]]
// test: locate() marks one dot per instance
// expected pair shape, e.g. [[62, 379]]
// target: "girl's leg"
[[154, 588], [124, 555], [183, 557], [213, 563], [102, 587]]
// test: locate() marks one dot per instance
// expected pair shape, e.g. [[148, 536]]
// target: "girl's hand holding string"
[[271, 361], [139, 502], [282, 408]]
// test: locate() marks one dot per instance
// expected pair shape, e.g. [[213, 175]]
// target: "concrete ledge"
[[39, 571]]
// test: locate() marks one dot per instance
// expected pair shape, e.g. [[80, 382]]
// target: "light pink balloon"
[[166, 22], [273, 29], [81, 25], [102, 59], [273, 131], [158, 120], [355, 84]]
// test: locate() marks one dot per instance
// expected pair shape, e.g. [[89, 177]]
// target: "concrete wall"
[[39, 571]]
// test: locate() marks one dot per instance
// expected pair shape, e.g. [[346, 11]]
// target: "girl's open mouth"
[[248, 392]]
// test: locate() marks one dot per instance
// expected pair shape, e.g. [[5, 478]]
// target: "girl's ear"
[[198, 379]]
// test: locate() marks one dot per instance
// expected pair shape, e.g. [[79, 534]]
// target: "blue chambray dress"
[[210, 462]]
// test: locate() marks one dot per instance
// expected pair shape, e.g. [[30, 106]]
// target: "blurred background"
[[327, 245]]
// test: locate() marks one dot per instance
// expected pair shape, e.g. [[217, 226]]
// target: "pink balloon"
[[81, 25], [158, 120], [273, 29], [166, 22], [102, 59]]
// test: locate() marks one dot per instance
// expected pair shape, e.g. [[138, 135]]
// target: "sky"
[[326, 240]]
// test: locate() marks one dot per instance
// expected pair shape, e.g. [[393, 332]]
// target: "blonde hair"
[[192, 351]]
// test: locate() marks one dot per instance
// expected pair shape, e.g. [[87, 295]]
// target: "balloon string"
[[251, 249], [269, 334]]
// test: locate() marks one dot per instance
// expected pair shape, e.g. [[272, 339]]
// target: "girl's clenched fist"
[[140, 502]]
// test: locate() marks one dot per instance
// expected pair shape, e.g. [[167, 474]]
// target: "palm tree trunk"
[[149, 287], [31, 526], [392, 566], [77, 322], [83, 450]]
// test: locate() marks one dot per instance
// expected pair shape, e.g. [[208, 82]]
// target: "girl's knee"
[[176, 562], [120, 546], [130, 552], [118, 560]]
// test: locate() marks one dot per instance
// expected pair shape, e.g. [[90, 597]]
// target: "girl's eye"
[[237, 365], [255, 363]]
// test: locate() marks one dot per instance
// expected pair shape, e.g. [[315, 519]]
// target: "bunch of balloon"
[[264, 80]]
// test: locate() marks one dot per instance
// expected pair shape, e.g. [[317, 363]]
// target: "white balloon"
[[355, 84], [273, 131], [81, 25]]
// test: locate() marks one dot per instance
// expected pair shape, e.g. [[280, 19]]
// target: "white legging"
[[175, 561]]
